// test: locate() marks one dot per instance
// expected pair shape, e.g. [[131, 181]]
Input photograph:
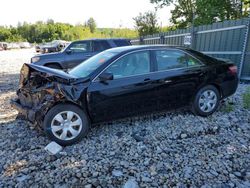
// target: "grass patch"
[[228, 108], [246, 99]]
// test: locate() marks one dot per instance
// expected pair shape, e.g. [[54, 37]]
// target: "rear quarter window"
[[203, 57], [174, 59]]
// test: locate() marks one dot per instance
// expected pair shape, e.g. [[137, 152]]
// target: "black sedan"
[[122, 82]]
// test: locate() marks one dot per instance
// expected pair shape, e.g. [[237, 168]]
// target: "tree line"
[[184, 14], [40, 32], [191, 12]]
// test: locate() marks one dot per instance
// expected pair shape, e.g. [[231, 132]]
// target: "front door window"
[[137, 63]]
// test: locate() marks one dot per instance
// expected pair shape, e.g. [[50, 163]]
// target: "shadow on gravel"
[[6, 123], [8, 82], [8, 87]]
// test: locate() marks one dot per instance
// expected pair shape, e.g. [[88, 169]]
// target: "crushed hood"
[[50, 71], [47, 72], [35, 78]]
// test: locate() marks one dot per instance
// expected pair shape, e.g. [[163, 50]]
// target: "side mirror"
[[68, 51], [105, 77]]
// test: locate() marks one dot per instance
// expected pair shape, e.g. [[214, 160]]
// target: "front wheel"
[[206, 101], [66, 124]]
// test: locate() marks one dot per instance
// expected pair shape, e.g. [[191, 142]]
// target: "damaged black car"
[[121, 82]]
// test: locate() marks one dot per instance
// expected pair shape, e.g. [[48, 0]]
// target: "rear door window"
[[174, 59]]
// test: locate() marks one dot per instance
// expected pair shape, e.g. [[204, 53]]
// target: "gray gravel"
[[171, 149]]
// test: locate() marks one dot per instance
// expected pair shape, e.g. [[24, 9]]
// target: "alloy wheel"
[[66, 125], [208, 101]]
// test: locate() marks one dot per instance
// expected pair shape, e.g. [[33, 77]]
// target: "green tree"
[[245, 7], [183, 13], [50, 21], [91, 24], [146, 23], [5, 34], [204, 11], [209, 11], [47, 31]]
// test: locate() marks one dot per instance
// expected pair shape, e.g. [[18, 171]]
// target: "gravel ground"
[[172, 149]]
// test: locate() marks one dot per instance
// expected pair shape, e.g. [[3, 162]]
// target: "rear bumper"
[[229, 87], [28, 113]]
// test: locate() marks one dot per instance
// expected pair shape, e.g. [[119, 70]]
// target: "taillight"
[[233, 69]]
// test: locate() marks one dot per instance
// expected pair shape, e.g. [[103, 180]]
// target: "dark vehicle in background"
[[122, 82], [38, 48], [54, 46], [3, 46], [77, 52]]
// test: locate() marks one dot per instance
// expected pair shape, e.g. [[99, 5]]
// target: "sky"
[[107, 13]]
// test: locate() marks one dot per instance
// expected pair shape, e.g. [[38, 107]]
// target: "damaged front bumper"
[[27, 112], [33, 109], [41, 88]]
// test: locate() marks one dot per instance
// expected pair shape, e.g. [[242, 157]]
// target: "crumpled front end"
[[34, 104], [39, 90]]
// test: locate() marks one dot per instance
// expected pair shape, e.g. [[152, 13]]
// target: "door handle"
[[167, 81], [163, 81], [202, 74], [147, 80]]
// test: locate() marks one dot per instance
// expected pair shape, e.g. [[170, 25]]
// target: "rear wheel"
[[206, 101], [66, 124]]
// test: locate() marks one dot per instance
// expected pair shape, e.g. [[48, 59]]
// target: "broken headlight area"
[[39, 90], [33, 103]]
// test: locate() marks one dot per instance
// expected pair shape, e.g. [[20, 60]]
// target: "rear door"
[[129, 93], [77, 52], [178, 76]]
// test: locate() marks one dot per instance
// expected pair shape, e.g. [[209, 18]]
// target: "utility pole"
[[193, 31]]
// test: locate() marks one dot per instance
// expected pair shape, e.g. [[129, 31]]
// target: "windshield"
[[91, 64]]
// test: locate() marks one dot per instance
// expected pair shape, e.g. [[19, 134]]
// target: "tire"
[[205, 106], [54, 66], [59, 124]]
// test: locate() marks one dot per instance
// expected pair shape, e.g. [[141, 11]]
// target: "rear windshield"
[[122, 42], [202, 56], [90, 65]]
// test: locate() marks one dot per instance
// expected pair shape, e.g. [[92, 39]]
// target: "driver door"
[[129, 92]]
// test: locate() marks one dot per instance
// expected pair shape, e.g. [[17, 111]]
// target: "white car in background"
[[24, 45], [13, 46]]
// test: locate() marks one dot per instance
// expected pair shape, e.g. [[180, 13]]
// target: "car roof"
[[142, 47]]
